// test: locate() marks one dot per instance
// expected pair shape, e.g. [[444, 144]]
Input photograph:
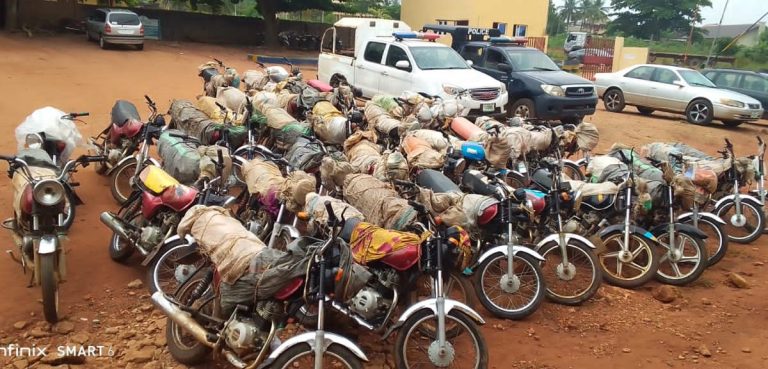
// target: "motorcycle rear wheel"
[[119, 181], [190, 351], [716, 242]]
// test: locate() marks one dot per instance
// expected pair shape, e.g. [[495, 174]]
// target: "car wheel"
[[613, 100], [523, 108], [102, 43], [699, 112], [645, 111], [732, 123]]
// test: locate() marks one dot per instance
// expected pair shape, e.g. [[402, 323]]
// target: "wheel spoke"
[[610, 255], [619, 266], [637, 267], [676, 269]]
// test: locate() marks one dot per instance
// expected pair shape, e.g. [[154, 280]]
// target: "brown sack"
[[497, 151], [362, 151], [421, 155], [208, 156], [380, 204], [222, 238], [434, 138], [587, 136], [207, 105], [294, 190], [318, 215], [391, 166], [262, 176], [329, 123], [333, 170]]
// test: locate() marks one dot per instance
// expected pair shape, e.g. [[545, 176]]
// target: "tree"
[[555, 23], [648, 18], [569, 11], [593, 12]]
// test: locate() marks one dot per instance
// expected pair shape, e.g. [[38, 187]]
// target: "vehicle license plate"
[[755, 115], [126, 32], [487, 108]]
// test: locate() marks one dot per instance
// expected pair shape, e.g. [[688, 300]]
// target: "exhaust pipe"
[[183, 319], [116, 225]]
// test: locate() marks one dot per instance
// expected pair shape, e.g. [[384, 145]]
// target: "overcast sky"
[[738, 12]]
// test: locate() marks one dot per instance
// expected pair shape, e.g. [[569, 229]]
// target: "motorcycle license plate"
[[755, 115], [488, 108]]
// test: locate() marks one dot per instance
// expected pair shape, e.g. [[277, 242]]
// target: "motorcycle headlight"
[[553, 90], [733, 103], [48, 192], [33, 141]]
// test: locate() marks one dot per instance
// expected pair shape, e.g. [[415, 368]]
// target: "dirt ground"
[[711, 324]]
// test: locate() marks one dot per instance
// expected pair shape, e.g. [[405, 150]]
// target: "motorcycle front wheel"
[[641, 266], [173, 265], [510, 297], [417, 346], [716, 242], [685, 268], [50, 286], [120, 181], [303, 356], [753, 218], [576, 282]]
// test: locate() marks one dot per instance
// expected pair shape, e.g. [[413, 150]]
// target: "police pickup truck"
[[537, 87], [383, 56]]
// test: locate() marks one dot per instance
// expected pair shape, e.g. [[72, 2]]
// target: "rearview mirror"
[[470, 63], [678, 83], [504, 67], [403, 64]]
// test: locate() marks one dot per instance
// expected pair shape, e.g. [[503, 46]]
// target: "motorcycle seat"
[[436, 181], [320, 85], [123, 112]]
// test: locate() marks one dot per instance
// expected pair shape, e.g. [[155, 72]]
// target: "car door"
[[635, 85], [395, 79], [755, 86], [368, 69], [663, 93]]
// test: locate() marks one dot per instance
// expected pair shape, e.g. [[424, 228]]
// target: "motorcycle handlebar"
[[421, 209], [331, 215], [149, 101], [75, 115]]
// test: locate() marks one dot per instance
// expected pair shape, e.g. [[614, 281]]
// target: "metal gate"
[[537, 42], [598, 57]]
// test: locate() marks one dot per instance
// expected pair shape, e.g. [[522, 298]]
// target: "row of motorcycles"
[[395, 216]]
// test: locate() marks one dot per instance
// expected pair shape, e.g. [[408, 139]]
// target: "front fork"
[[510, 253], [561, 240], [440, 311]]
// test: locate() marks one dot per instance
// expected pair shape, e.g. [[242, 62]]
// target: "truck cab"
[[536, 86], [389, 58]]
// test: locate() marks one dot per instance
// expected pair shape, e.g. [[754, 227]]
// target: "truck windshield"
[[429, 58], [695, 78], [524, 60]]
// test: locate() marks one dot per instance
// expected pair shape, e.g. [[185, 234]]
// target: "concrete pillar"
[[618, 50]]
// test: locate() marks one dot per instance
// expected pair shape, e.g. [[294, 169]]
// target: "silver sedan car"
[[676, 90]]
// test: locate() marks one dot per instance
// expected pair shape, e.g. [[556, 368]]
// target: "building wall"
[[479, 13], [750, 39]]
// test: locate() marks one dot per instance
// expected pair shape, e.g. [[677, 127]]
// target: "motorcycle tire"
[[411, 330], [69, 217], [573, 171], [716, 243], [645, 275], [50, 287], [455, 286], [589, 266], [121, 195], [530, 305], [156, 279], [196, 352], [341, 357], [755, 210], [699, 259]]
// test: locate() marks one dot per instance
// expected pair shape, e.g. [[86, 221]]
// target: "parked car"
[[115, 26], [677, 90], [746, 82], [388, 58], [536, 86]]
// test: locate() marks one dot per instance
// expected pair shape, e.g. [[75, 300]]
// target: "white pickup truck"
[[386, 57]]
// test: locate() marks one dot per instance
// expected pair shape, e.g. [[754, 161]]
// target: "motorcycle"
[[216, 74], [44, 202], [684, 253], [759, 164], [247, 335], [120, 143], [743, 213], [153, 211]]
